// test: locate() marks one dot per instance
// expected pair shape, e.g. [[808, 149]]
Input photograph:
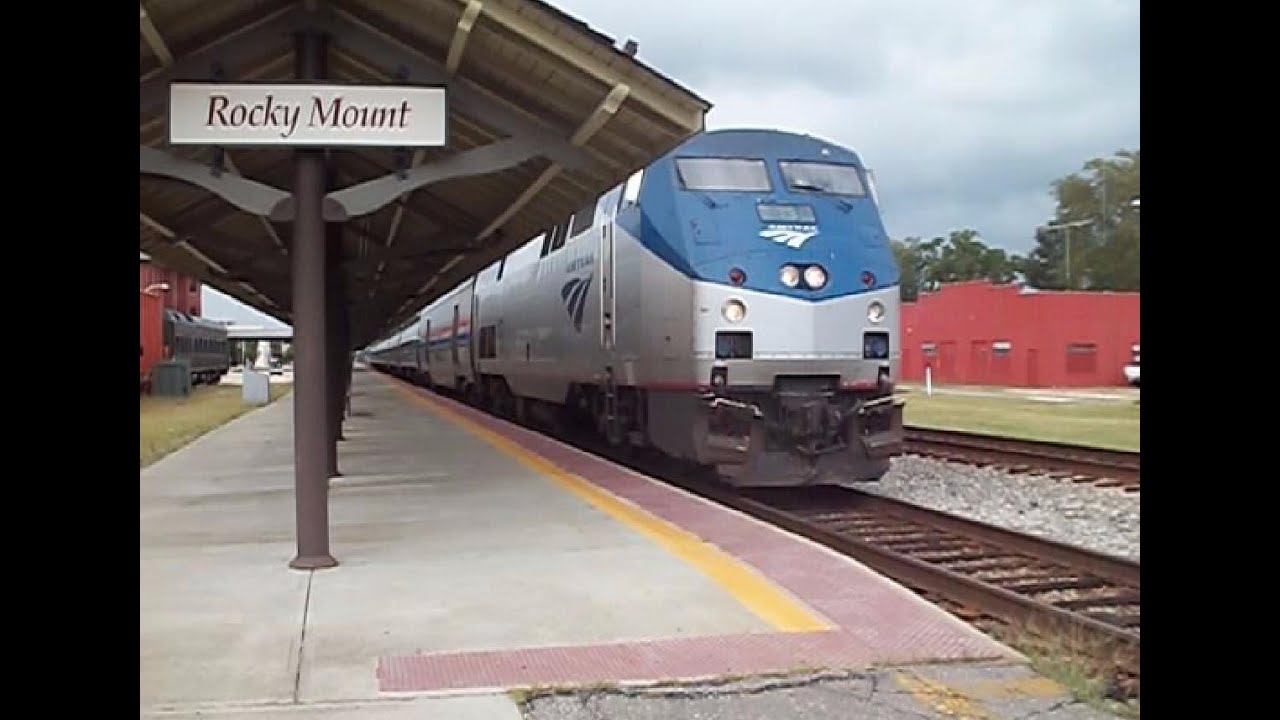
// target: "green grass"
[[1111, 424], [167, 424], [1085, 669]]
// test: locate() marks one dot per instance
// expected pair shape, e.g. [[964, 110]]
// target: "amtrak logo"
[[793, 236], [574, 295]]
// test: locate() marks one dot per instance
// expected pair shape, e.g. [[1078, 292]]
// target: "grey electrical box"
[[171, 378], [256, 388]]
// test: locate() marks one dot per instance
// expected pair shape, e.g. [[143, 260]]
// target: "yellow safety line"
[[941, 698], [768, 601]]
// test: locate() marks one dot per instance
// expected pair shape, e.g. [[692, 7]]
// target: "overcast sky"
[[967, 111]]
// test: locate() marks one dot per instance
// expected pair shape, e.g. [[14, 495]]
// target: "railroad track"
[[984, 574], [1104, 468]]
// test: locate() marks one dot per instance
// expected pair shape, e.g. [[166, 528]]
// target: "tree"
[[1104, 244], [962, 256], [913, 264]]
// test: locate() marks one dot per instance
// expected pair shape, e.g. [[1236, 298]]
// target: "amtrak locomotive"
[[734, 304]]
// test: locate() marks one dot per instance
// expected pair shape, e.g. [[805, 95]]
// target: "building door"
[[947, 370], [978, 362], [1033, 368]]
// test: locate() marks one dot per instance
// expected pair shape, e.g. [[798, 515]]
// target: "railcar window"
[[723, 174], [822, 178]]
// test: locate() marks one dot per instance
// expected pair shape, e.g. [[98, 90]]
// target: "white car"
[[1133, 371]]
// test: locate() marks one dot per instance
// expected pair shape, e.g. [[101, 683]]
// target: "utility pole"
[[1102, 180], [1066, 233]]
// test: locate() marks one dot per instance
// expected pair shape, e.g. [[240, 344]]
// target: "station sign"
[[306, 114]]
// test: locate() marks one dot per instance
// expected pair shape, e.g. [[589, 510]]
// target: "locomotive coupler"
[[880, 427], [815, 428], [731, 432]]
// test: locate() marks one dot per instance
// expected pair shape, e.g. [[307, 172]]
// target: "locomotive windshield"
[[723, 174], [822, 177]]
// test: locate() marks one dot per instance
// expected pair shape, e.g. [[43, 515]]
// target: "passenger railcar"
[[734, 304], [201, 343]]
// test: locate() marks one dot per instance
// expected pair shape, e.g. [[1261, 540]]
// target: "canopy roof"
[[574, 115]]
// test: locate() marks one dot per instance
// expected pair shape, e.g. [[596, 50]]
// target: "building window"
[[929, 349], [1001, 348], [1082, 357]]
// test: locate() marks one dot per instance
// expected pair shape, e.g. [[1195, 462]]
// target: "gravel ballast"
[[1103, 519]]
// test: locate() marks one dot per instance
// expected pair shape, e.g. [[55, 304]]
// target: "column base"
[[313, 562]]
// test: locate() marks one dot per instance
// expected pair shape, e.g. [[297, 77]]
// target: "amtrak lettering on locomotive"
[[734, 304]]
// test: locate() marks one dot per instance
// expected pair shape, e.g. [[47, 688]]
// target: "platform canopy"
[[543, 114]]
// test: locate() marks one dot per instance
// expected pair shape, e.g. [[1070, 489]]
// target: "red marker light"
[[868, 279], [737, 277]]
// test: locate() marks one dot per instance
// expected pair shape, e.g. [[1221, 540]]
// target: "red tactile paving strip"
[[623, 662], [879, 621]]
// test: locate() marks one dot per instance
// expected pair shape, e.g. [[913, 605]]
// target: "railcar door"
[[453, 340], [472, 351], [426, 346], [607, 305]]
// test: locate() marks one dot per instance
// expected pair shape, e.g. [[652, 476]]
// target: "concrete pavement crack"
[[1066, 702], [302, 639]]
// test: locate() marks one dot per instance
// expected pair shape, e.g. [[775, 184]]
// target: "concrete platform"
[[477, 556]]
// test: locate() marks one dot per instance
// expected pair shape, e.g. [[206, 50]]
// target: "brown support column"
[[342, 362], [349, 358], [310, 436], [335, 310]]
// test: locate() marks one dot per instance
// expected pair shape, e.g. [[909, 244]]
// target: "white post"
[[928, 381]]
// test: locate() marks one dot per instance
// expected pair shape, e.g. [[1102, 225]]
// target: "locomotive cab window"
[[582, 220], [723, 175], [558, 235], [827, 178], [631, 191]]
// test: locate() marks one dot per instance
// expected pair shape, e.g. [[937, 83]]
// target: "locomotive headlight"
[[875, 311], [789, 275], [815, 277], [733, 310]]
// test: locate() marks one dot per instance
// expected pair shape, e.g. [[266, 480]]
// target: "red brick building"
[[978, 333], [183, 292]]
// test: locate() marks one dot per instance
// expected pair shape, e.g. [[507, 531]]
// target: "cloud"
[[217, 305], [967, 111]]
